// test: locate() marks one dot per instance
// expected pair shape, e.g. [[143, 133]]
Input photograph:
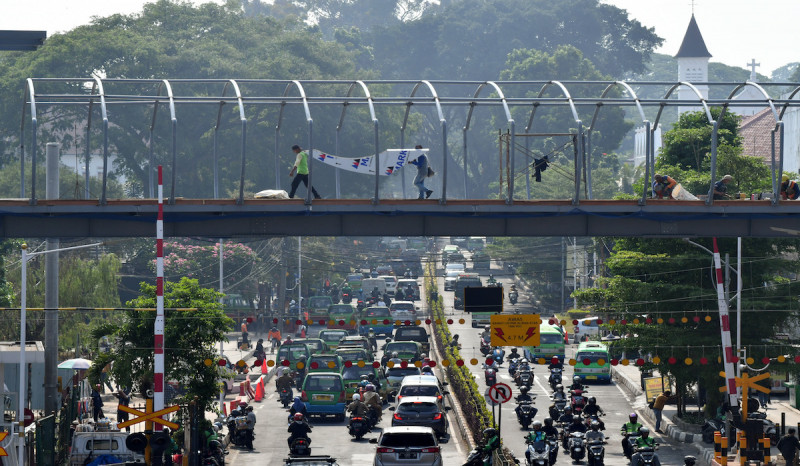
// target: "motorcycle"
[[646, 456], [490, 375], [512, 366], [595, 452], [538, 453], [577, 401], [576, 446], [525, 413], [498, 354], [300, 447], [240, 434], [524, 378], [555, 378], [557, 409], [588, 419], [486, 346], [769, 428], [711, 426], [478, 458], [346, 298], [358, 427], [630, 440], [285, 397], [512, 297]]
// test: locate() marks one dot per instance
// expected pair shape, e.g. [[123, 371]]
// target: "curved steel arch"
[[165, 84], [375, 124], [786, 105], [29, 91], [243, 119]]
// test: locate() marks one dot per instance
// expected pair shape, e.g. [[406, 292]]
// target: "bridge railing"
[[384, 114]]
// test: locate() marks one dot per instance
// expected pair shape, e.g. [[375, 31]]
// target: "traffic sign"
[[489, 399], [27, 417], [500, 393], [515, 330], [155, 416], [3, 451]]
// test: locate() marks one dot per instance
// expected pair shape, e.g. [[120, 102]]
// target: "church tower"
[[692, 64]]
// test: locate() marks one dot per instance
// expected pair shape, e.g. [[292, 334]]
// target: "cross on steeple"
[[693, 2], [752, 65]]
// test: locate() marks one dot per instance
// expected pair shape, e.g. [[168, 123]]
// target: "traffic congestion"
[[363, 382]]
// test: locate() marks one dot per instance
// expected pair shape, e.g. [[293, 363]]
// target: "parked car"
[[407, 446]]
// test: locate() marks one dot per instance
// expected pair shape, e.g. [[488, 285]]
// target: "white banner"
[[391, 160]]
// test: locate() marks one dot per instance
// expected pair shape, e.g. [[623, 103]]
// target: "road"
[[328, 437], [615, 402]]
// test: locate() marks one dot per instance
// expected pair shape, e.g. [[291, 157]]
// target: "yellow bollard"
[[723, 443], [765, 445], [717, 447], [742, 448]]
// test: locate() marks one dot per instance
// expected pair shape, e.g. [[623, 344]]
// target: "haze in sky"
[[735, 31]]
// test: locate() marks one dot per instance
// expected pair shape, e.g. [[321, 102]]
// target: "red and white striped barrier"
[[729, 358], [158, 347]]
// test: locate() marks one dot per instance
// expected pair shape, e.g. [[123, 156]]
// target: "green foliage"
[[189, 338], [689, 142]]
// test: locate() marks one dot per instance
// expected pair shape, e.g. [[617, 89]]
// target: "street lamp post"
[[23, 306]]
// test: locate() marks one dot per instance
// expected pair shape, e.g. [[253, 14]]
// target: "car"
[[355, 354], [355, 341], [481, 260], [325, 363], [450, 278], [315, 345], [413, 333], [378, 319], [324, 394], [404, 283], [395, 376], [457, 258], [421, 385], [317, 307], [391, 283], [316, 460], [401, 446], [411, 351], [343, 316], [293, 352], [383, 270], [352, 377], [331, 337], [403, 311], [422, 411]]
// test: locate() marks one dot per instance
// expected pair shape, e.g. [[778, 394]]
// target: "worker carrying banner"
[[390, 160]]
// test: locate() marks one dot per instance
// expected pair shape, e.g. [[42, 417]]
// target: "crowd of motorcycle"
[[574, 421]]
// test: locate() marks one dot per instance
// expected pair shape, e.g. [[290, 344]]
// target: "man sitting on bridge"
[[663, 186]]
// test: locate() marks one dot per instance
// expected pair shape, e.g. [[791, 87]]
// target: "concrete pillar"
[[51, 398]]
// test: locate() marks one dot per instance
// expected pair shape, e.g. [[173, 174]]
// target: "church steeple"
[[693, 45]]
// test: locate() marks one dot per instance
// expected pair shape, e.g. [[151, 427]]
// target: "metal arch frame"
[[164, 83], [375, 123], [442, 122], [598, 106], [29, 91], [579, 159], [778, 127], [511, 123], [310, 121], [243, 119], [714, 133]]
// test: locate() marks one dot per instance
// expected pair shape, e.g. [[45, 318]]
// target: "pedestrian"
[[104, 378], [721, 187], [123, 395], [789, 188], [658, 407], [788, 446], [97, 403], [244, 333], [301, 167], [423, 171], [663, 186]]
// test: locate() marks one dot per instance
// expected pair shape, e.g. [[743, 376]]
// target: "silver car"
[[407, 446]]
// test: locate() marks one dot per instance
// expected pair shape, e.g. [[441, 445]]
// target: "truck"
[[87, 446]]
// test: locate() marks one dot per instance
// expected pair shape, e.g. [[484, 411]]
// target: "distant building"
[[755, 131], [748, 93], [640, 144], [692, 57]]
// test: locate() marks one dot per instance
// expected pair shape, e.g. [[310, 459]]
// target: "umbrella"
[[75, 364]]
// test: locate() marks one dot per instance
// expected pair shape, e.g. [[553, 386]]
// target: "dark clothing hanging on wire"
[[540, 165]]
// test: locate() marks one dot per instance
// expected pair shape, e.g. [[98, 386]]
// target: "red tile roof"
[[756, 133]]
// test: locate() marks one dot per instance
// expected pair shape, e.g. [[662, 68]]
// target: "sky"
[[735, 31]]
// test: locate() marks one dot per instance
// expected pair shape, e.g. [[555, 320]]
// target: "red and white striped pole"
[[728, 357], [158, 349]]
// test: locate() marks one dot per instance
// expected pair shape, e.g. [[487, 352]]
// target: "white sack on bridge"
[[681, 194], [391, 160]]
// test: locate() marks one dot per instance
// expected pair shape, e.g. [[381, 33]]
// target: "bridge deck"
[[334, 217]]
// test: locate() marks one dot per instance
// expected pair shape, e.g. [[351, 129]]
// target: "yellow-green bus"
[[551, 343], [592, 352]]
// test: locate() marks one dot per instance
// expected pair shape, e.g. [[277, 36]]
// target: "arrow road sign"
[[155, 416], [500, 393]]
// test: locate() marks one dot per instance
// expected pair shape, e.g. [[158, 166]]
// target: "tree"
[[688, 143], [189, 338]]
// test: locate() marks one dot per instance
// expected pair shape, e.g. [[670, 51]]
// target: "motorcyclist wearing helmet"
[[523, 397], [491, 281], [513, 354], [644, 441], [593, 409], [555, 363], [373, 341], [298, 429], [426, 370], [548, 428], [629, 428], [491, 439], [374, 381], [284, 381], [537, 434], [559, 394], [576, 384], [373, 401], [357, 408], [594, 435], [575, 426], [566, 418]]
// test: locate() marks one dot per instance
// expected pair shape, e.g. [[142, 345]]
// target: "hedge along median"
[[462, 384]]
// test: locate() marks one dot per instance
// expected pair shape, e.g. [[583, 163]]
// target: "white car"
[[450, 279], [409, 445], [391, 283]]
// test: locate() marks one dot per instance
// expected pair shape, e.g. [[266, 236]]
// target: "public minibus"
[[551, 343], [593, 352]]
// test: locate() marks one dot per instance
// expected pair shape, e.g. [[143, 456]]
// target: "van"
[[404, 283], [90, 445], [586, 328], [369, 284], [391, 283]]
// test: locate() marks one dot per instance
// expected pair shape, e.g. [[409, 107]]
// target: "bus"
[[551, 344], [464, 280], [345, 313], [593, 351]]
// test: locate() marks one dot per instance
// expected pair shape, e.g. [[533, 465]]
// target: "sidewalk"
[[629, 378]]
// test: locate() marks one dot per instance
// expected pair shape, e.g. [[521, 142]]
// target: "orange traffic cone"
[[259, 390]]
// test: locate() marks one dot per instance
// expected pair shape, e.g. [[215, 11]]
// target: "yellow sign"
[[747, 383], [653, 386], [515, 329], [145, 416], [3, 435]]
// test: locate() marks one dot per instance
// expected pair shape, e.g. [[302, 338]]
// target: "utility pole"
[[282, 287], [51, 399], [563, 271]]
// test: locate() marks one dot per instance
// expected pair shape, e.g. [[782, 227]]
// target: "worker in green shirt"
[[301, 168]]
